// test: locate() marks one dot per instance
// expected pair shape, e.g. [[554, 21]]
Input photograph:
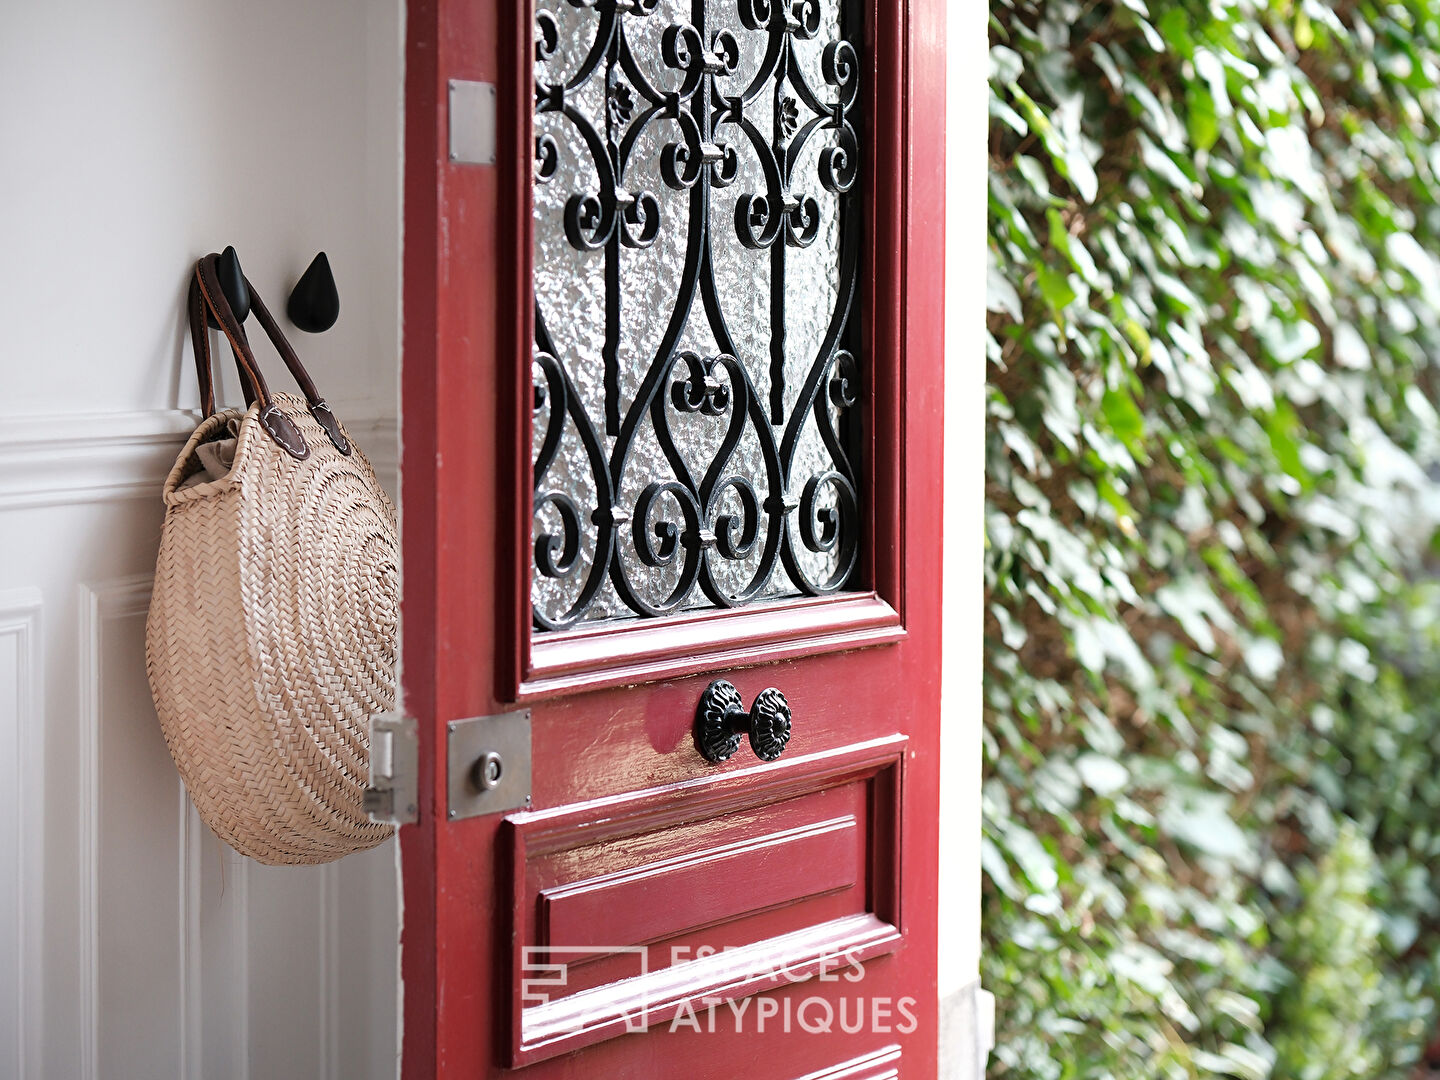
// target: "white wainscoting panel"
[[224, 997], [138, 885], [21, 770], [195, 961], [285, 922], [134, 945]]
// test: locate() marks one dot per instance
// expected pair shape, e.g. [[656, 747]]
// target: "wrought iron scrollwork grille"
[[696, 235]]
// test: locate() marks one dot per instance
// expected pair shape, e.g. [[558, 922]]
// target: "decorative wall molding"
[[237, 879], [329, 1003], [22, 768], [68, 458], [192, 1002], [99, 604], [224, 991], [79, 458]]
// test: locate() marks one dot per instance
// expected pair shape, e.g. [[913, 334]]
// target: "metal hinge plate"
[[488, 764], [393, 794]]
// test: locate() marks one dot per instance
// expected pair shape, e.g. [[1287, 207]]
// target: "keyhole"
[[487, 770]]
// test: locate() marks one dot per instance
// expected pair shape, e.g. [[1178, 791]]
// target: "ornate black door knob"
[[720, 718]]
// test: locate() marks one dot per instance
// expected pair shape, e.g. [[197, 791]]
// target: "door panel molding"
[[858, 852], [881, 1065], [658, 997], [534, 665], [629, 905], [644, 651]]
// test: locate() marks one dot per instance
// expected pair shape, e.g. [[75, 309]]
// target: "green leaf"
[[1283, 428], [1124, 418], [1202, 120], [1055, 288]]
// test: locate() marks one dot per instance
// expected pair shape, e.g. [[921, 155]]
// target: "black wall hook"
[[232, 284], [315, 301]]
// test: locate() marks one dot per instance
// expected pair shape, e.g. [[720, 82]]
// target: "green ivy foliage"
[[1322, 1028], [1212, 800]]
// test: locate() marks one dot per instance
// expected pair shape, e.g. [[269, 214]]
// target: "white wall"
[[965, 1010], [134, 137]]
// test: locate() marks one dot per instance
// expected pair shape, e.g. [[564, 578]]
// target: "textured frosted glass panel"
[[696, 225]]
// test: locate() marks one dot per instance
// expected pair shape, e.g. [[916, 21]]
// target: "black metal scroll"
[[697, 518]]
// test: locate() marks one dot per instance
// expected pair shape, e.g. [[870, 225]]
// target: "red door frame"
[[465, 463]]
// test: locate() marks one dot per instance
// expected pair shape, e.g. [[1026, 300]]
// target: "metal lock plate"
[[393, 792], [488, 763], [472, 122]]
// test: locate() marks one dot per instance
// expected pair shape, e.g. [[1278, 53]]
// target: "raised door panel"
[[631, 911]]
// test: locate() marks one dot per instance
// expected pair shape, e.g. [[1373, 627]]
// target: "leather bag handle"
[[200, 342], [206, 294], [319, 407]]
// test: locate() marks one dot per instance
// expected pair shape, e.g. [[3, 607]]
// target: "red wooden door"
[[651, 913]]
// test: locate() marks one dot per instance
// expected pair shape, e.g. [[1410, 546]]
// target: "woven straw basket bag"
[[271, 635]]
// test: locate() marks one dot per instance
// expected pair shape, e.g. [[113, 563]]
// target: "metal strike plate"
[[393, 794], [488, 758], [472, 122]]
